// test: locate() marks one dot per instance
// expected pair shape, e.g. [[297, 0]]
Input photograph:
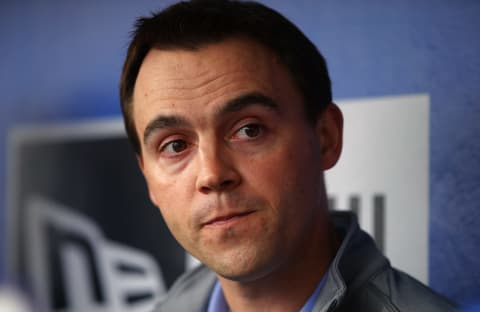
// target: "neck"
[[288, 287]]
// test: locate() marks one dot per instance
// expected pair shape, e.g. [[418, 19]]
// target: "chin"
[[244, 269]]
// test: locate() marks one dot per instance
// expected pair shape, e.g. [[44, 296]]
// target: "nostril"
[[205, 189], [226, 183]]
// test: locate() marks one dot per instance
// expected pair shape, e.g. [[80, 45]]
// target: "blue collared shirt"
[[217, 302]]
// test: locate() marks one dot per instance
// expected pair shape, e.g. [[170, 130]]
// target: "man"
[[228, 106]]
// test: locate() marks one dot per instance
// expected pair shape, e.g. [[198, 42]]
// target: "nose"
[[217, 172]]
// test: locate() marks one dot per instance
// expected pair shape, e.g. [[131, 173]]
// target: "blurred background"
[[60, 61]]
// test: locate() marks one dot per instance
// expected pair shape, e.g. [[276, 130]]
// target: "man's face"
[[228, 156]]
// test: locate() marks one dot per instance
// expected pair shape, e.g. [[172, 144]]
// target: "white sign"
[[383, 175]]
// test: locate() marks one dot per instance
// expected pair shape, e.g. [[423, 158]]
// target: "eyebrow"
[[247, 100], [163, 122], [235, 105]]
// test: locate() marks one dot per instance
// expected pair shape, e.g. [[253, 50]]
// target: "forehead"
[[228, 56], [178, 71], [186, 80]]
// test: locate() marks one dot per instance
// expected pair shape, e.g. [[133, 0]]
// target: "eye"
[[249, 131], [174, 147]]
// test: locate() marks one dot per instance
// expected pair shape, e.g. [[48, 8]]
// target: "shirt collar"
[[217, 302], [308, 306]]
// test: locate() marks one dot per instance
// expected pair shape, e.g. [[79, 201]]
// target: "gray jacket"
[[360, 278]]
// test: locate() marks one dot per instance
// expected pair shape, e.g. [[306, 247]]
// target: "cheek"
[[171, 198], [289, 175], [175, 213], [270, 176], [169, 190]]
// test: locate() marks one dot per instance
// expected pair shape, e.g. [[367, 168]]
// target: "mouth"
[[227, 219]]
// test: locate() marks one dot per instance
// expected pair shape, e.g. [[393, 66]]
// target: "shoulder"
[[369, 283], [393, 290], [190, 292]]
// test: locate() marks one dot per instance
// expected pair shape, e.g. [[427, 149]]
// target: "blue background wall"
[[61, 60]]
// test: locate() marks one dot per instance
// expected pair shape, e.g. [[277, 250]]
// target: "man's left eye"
[[249, 131]]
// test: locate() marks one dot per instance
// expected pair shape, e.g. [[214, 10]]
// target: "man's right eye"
[[174, 147]]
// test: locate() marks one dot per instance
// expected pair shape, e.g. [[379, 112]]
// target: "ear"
[[142, 168], [329, 128]]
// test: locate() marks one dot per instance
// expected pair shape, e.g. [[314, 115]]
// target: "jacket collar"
[[356, 261]]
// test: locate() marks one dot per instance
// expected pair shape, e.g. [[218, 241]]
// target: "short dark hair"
[[191, 25]]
